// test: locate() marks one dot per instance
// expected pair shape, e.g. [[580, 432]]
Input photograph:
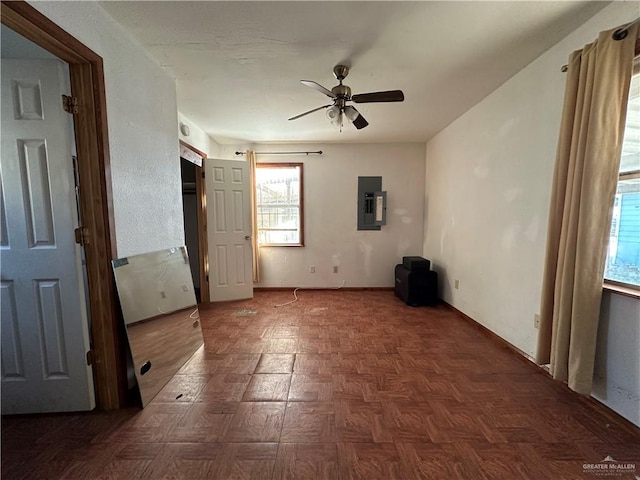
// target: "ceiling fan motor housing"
[[342, 92], [341, 72]]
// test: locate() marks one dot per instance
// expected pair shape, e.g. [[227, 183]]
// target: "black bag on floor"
[[416, 288]]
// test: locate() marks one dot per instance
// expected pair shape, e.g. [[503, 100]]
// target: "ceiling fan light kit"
[[333, 113], [341, 94]]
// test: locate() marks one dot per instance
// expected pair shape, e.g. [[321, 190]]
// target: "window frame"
[[300, 205], [628, 289]]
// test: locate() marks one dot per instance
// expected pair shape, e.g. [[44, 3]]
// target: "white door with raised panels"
[[229, 229], [44, 322]]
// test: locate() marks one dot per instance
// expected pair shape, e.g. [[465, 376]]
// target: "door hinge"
[[90, 357], [70, 104], [202, 174], [82, 235], [207, 278]]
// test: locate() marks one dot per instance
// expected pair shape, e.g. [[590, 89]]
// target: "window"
[[279, 204], [623, 255]]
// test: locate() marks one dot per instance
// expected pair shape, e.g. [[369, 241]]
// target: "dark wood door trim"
[[203, 246], [96, 206]]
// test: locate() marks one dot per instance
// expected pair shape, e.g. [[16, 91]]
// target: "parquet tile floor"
[[339, 386]]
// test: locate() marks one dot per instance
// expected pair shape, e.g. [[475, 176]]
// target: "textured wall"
[[616, 380], [142, 122]]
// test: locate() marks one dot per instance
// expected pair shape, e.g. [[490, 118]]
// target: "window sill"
[[626, 290], [281, 245]]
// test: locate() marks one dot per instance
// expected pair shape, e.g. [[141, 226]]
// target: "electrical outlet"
[[312, 269], [456, 284], [536, 320], [163, 295], [335, 269], [185, 288]]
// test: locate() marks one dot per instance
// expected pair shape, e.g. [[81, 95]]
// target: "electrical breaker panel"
[[372, 203]]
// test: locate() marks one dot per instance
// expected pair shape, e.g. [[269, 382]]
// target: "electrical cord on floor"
[[295, 297]]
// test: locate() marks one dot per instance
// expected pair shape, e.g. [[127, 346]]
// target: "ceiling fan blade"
[[310, 111], [318, 87], [354, 115], [360, 122], [388, 96]]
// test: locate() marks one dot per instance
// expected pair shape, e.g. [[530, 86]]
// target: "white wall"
[[617, 371], [197, 138], [141, 112], [364, 258], [228, 151], [488, 184]]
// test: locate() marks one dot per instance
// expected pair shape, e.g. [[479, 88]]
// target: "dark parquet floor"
[[340, 385]]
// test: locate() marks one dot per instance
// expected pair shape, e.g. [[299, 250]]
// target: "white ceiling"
[[238, 64]]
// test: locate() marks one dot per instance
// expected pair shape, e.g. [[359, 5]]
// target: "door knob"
[[247, 237]]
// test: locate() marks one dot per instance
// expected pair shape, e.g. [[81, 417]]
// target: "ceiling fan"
[[341, 94]]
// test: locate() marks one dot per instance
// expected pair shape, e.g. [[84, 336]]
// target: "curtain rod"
[[619, 34], [319, 152]]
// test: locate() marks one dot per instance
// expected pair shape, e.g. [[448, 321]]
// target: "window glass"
[[279, 202], [623, 255]]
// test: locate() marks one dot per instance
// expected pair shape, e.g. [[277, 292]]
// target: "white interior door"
[[44, 321], [229, 229]]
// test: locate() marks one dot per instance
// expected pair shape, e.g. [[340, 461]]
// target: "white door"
[[44, 322], [229, 229]]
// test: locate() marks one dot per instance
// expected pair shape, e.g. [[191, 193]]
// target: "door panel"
[[44, 320], [12, 364], [230, 275], [34, 177]]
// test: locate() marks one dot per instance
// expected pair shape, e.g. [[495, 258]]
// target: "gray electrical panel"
[[372, 203]]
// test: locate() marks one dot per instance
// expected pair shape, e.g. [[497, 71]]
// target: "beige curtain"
[[584, 186], [251, 157]]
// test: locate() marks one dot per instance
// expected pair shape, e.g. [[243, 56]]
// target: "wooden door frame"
[[92, 143], [201, 202]]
